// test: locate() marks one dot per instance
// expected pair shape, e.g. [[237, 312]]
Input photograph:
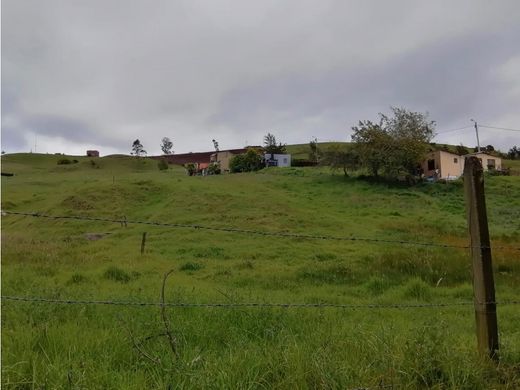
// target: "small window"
[[285, 160], [455, 160], [491, 163], [431, 165]]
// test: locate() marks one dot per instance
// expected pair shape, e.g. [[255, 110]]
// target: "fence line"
[[124, 222], [249, 304]]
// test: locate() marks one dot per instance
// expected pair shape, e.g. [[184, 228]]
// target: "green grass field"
[[52, 346]]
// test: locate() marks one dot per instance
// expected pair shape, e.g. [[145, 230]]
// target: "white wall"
[[284, 160]]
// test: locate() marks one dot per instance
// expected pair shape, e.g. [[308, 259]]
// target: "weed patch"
[[118, 275], [191, 266]]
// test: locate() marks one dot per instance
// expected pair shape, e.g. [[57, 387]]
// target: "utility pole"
[[476, 131], [483, 283]]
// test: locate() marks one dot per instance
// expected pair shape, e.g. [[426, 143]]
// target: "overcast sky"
[[98, 74]]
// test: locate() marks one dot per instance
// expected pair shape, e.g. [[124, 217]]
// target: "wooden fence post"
[[483, 283], [143, 242]]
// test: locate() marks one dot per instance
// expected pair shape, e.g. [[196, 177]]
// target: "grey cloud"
[[109, 72], [449, 79]]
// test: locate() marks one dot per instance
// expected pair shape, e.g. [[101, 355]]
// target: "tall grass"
[[81, 346]]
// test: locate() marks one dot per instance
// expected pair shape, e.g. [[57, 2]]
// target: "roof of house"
[[198, 157], [186, 158]]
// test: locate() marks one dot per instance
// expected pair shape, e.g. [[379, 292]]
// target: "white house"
[[277, 160]]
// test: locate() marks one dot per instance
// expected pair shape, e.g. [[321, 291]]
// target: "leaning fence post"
[[483, 283], [143, 242]]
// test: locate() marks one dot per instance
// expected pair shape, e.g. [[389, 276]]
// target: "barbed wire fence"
[[125, 222], [162, 305]]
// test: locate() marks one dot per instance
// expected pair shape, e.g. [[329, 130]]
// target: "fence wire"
[[250, 304], [125, 222]]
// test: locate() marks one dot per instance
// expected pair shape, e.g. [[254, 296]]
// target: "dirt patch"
[[77, 203], [95, 236]]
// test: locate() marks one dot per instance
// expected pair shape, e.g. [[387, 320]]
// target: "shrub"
[[162, 164], [247, 162], [303, 163], [64, 161], [214, 169], [190, 169]]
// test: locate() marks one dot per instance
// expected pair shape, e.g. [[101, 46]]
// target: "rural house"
[[277, 160], [440, 164], [92, 153], [223, 157]]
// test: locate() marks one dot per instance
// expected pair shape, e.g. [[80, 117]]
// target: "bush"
[[303, 163], [162, 164], [247, 162], [214, 169], [191, 169], [64, 161]]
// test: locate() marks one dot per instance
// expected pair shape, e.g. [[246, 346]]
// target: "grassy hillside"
[[88, 346], [301, 151]]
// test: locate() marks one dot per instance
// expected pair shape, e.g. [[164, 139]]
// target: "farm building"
[[223, 157], [440, 164], [277, 160], [186, 158], [92, 153]]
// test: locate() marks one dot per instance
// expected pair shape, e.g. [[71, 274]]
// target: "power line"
[[499, 128], [457, 129], [247, 304], [124, 222]]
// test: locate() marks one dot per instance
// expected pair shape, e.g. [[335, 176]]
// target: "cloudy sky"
[[98, 74]]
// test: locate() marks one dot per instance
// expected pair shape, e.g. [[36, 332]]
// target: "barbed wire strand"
[[248, 304], [124, 222]]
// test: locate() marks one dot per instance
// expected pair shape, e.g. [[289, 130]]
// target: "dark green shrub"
[[247, 162], [162, 165], [191, 169], [214, 169], [64, 161]]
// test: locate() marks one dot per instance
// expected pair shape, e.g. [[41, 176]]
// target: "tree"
[[215, 145], [489, 148], [373, 145], [314, 153], [461, 150], [166, 146], [395, 145], [514, 153], [341, 157], [137, 148], [270, 145], [247, 162]]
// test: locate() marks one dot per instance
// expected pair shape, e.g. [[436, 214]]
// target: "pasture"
[[80, 346]]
